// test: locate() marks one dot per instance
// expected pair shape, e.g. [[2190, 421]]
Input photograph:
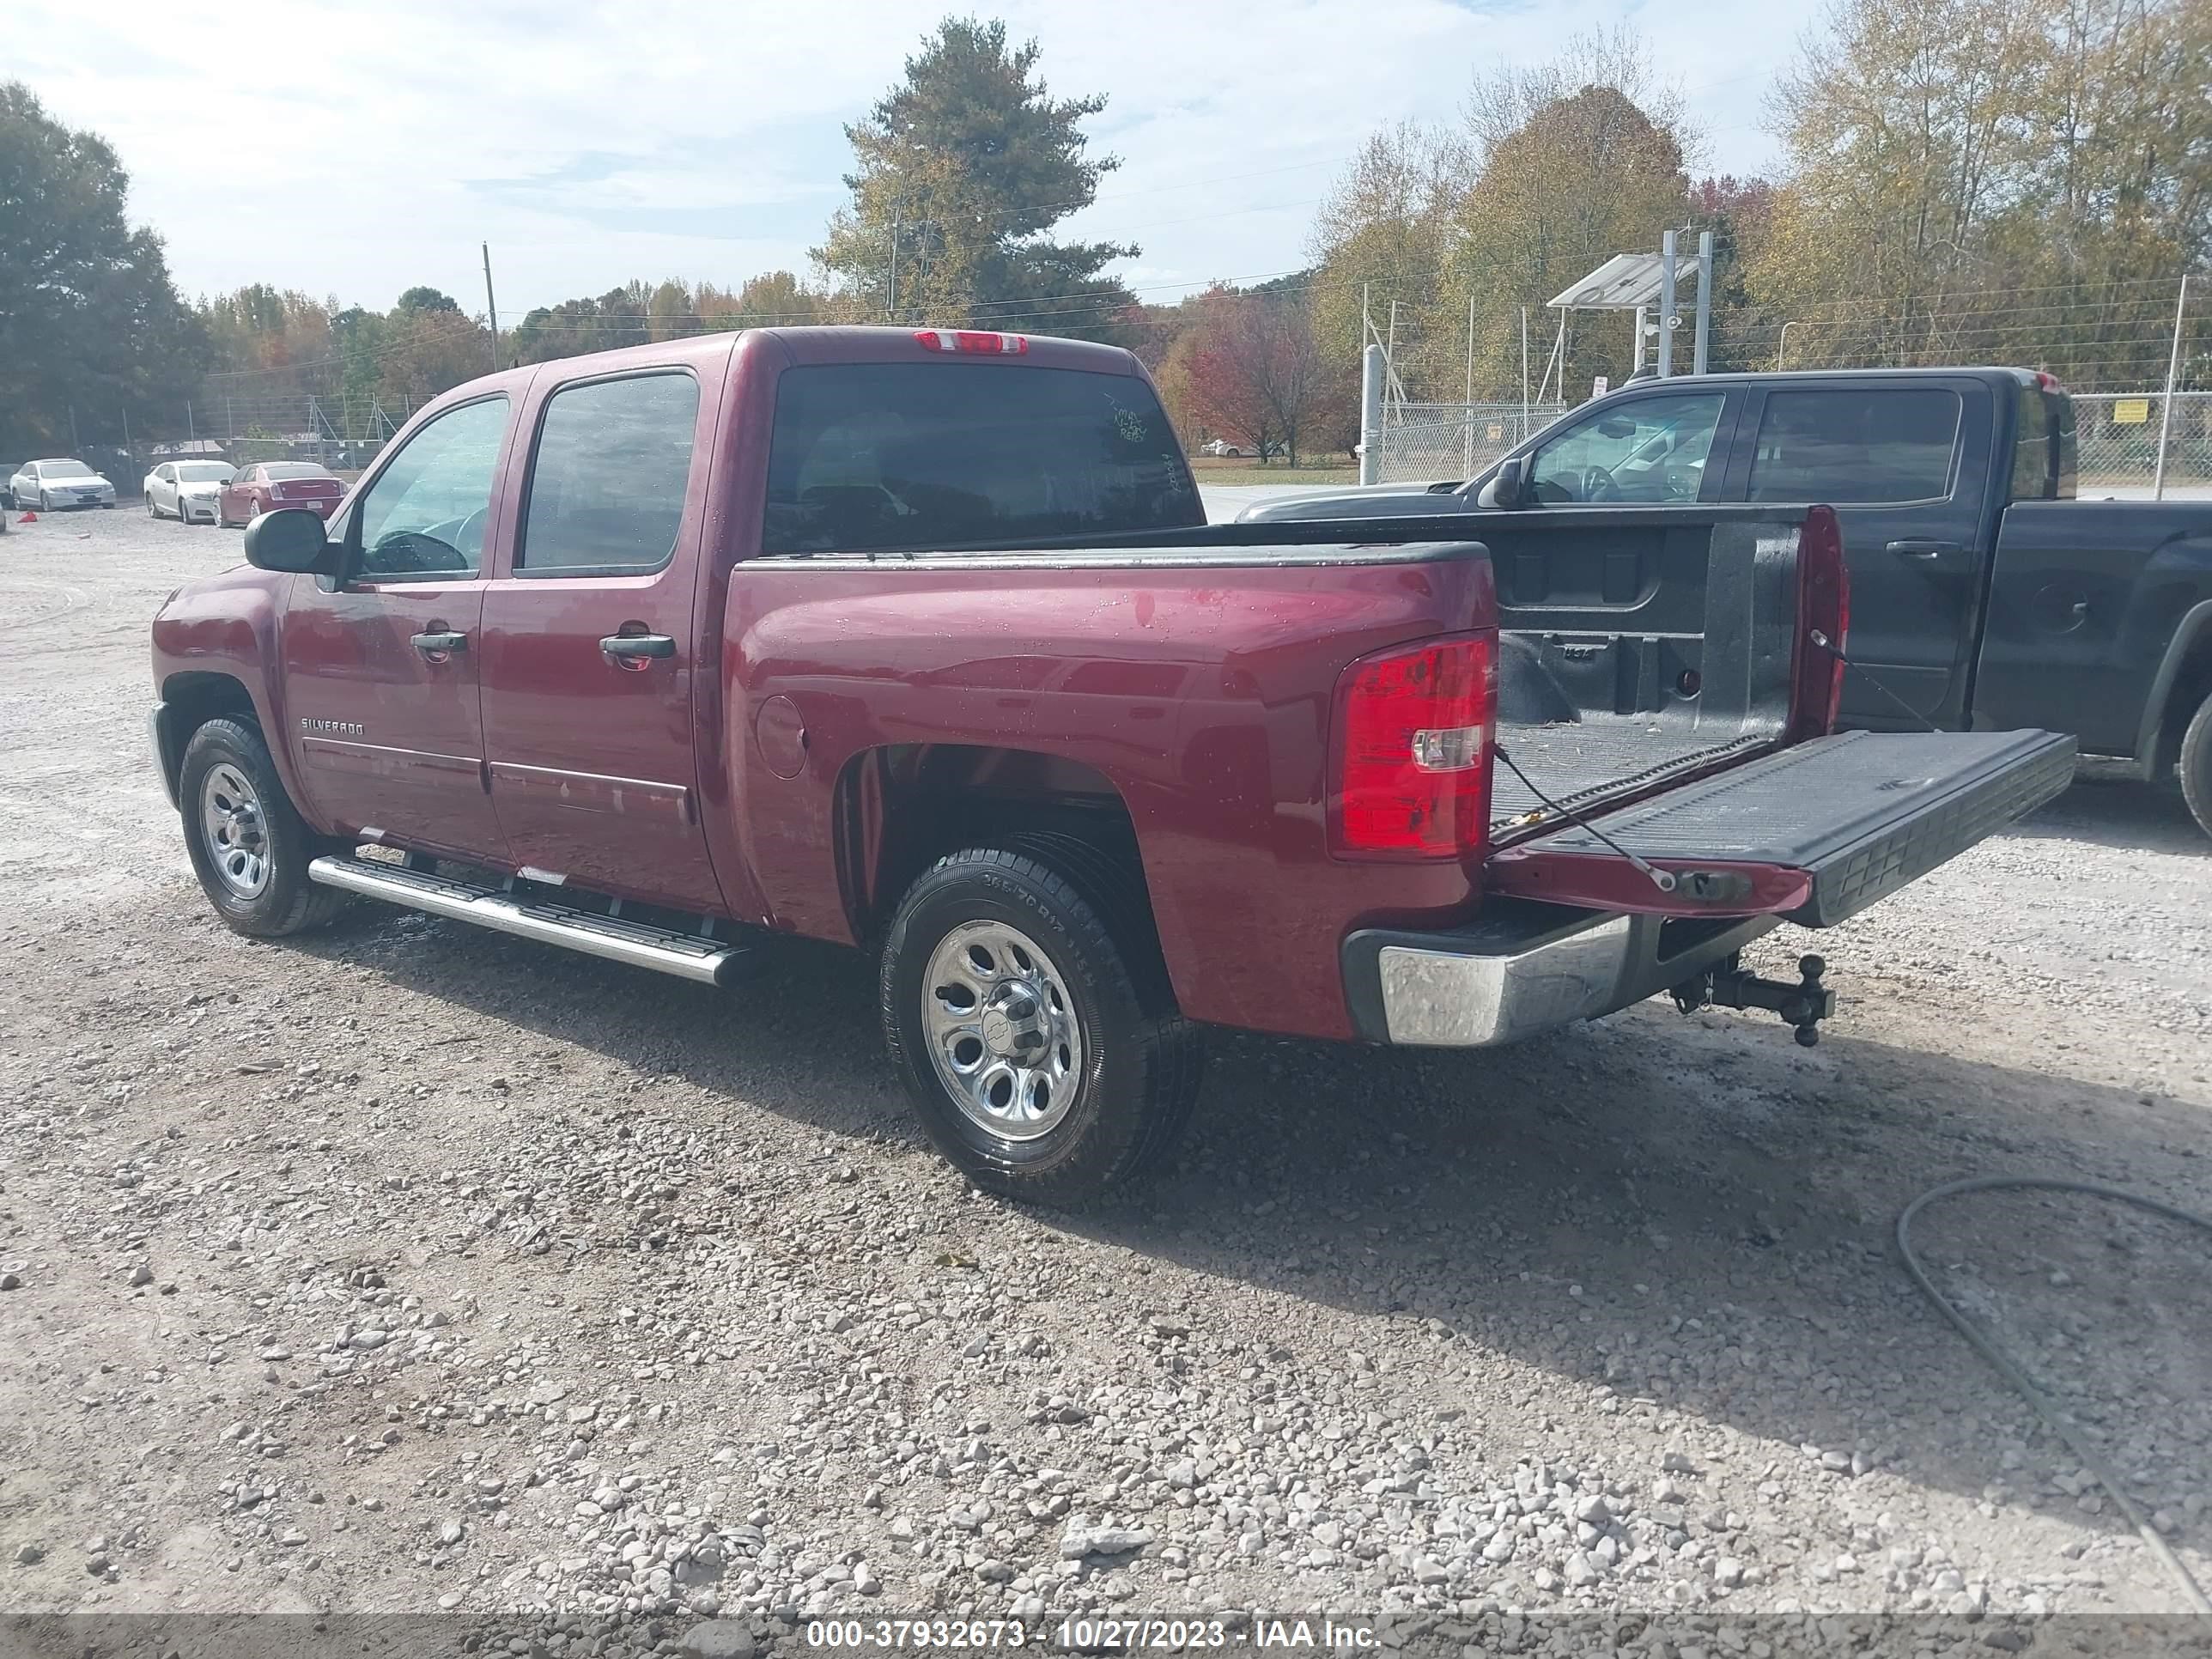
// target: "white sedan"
[[45, 486], [186, 491]]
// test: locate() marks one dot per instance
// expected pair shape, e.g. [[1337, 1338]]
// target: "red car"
[[264, 486]]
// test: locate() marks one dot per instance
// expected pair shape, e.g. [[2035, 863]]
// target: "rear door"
[[381, 668], [588, 667], [1906, 466]]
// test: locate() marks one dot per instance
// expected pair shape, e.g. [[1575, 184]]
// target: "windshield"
[[939, 454], [202, 472], [64, 470]]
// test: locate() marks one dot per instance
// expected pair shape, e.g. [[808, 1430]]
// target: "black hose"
[[1986, 1345]]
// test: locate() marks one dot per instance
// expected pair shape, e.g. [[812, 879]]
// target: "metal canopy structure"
[[1626, 282], [1639, 283]]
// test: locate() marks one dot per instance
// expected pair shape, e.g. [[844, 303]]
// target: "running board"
[[686, 955]]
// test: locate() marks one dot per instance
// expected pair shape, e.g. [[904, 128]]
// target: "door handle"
[[636, 647], [1912, 548], [433, 644]]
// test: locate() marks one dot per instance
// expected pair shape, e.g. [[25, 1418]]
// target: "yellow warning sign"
[[2130, 411]]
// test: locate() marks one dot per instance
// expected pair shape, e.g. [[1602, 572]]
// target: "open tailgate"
[[1815, 833]]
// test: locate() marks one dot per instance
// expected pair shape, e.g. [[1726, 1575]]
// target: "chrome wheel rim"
[[1002, 1029], [234, 832]]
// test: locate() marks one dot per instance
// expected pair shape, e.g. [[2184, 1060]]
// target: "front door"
[[381, 668], [588, 668], [1900, 464]]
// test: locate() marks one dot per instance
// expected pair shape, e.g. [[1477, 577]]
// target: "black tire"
[[287, 903], [2196, 766], [1141, 1059]]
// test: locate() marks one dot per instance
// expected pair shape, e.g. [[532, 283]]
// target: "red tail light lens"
[[1414, 730], [1824, 620], [962, 339]]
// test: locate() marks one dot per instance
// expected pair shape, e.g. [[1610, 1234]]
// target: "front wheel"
[[249, 846], [1027, 1015], [2196, 766]]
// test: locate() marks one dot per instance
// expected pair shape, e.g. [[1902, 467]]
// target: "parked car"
[[8, 471], [264, 486], [186, 491], [49, 486], [1984, 594], [918, 641], [1222, 446]]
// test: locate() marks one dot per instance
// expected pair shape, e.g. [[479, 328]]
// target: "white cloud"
[[355, 151]]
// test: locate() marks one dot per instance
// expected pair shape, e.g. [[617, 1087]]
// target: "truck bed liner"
[[1864, 812]]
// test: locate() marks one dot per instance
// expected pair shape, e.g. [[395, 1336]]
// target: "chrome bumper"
[[1524, 969]]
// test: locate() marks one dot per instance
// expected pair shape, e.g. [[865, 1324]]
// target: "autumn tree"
[[1969, 180], [1256, 372], [961, 171]]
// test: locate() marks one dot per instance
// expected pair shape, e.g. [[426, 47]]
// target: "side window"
[[1648, 449], [606, 484], [423, 519], [1871, 445], [165, 473]]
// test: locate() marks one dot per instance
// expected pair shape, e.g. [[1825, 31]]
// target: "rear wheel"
[[1024, 1009], [249, 846], [2196, 766]]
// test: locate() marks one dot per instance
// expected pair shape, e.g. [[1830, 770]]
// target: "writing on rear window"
[[869, 456]]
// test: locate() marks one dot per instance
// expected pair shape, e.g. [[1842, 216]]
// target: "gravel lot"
[[406, 1267]]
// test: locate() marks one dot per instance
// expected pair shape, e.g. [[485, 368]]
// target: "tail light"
[[1824, 620], [1414, 728], [964, 339]]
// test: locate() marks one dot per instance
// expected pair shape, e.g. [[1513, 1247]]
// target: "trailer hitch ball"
[[1802, 1005]]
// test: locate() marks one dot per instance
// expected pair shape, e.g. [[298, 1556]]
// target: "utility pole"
[[891, 286], [2172, 374], [1371, 414], [1469, 408], [1666, 305], [1524, 371], [1704, 300], [76, 444], [191, 436], [491, 309]]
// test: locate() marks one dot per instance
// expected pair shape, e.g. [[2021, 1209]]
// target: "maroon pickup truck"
[[918, 641]]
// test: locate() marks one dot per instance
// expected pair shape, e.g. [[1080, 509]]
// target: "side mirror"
[[1505, 486], [291, 540]]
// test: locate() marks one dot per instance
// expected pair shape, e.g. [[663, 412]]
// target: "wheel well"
[[902, 807], [190, 701], [2191, 685]]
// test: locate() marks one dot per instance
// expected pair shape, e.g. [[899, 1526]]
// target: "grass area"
[[1235, 470]]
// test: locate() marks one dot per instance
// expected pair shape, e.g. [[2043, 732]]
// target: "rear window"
[[278, 471], [2032, 472], [606, 489], [937, 454], [1872, 444]]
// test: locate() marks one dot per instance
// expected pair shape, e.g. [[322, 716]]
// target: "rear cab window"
[[607, 481], [869, 456], [1857, 444]]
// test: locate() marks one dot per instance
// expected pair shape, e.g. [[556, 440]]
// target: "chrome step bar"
[[686, 955]]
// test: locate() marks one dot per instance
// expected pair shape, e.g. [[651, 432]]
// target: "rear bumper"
[[322, 507], [1524, 969]]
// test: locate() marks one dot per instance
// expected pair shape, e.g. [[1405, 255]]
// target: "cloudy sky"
[[357, 149]]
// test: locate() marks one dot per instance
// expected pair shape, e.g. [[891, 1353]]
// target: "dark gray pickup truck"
[[1985, 596]]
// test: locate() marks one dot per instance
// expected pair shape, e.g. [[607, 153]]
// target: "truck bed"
[[1629, 654]]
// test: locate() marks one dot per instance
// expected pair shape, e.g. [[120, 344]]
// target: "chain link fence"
[[2118, 434], [1425, 443]]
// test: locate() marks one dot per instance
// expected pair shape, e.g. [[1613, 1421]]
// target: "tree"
[[961, 171], [1254, 371], [89, 319], [1585, 176], [1384, 233], [1972, 180]]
